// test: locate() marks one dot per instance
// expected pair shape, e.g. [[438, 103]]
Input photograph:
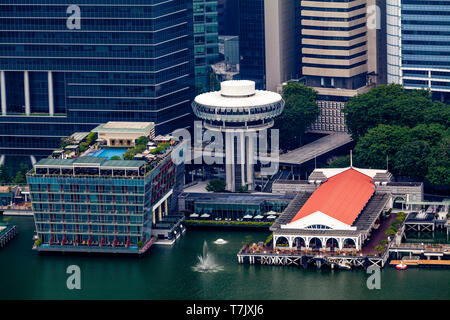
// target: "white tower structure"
[[239, 111]]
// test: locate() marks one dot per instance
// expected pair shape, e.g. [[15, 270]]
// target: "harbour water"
[[170, 273]]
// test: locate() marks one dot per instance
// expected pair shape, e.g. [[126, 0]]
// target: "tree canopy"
[[300, 111], [216, 185], [420, 152], [393, 105], [405, 127], [4, 175]]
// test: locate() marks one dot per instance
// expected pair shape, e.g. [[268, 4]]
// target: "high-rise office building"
[[206, 41], [67, 68], [269, 41], [228, 11], [252, 42], [418, 45], [340, 54], [282, 41]]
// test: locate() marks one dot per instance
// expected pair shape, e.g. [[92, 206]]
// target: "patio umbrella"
[[248, 216], [194, 215], [271, 217], [258, 217], [205, 215]]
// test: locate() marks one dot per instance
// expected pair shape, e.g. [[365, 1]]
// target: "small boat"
[[401, 266], [344, 266], [220, 241]]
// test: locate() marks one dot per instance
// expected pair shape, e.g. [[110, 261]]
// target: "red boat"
[[401, 266]]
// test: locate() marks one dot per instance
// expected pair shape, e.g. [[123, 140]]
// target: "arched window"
[[318, 226]]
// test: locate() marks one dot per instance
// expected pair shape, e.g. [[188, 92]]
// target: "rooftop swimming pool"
[[108, 153]]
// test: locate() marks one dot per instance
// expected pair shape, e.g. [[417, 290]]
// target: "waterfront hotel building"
[[67, 66], [418, 45], [92, 203]]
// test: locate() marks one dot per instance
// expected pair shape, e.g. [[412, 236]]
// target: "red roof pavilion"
[[341, 197]]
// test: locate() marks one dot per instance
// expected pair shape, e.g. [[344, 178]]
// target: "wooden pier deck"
[[7, 233], [311, 259], [422, 263]]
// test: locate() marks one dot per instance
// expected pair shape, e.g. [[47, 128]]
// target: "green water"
[[166, 273]]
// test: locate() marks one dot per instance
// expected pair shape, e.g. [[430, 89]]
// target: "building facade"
[[232, 206], [417, 45], [206, 41], [228, 11], [269, 41], [67, 68], [252, 42], [282, 42], [340, 54], [94, 204]]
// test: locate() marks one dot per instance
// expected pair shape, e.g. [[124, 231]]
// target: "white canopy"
[[248, 216], [205, 215], [194, 215], [271, 217], [258, 217]]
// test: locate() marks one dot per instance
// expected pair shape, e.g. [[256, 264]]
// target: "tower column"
[[250, 160], [242, 157], [3, 91], [26, 87], [229, 161], [51, 107]]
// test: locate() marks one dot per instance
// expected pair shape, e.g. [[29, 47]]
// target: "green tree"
[[339, 162], [439, 162], [90, 138], [216, 185], [214, 85], [115, 158], [20, 178], [300, 111], [418, 152], [393, 105], [4, 175], [242, 189], [142, 141], [384, 140], [67, 141], [83, 146]]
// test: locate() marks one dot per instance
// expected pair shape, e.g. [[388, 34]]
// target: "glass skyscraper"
[[67, 68], [419, 45], [252, 42], [206, 41]]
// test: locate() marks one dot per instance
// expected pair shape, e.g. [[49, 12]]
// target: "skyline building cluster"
[[64, 72], [67, 68]]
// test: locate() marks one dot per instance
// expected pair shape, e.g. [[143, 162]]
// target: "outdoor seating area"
[[247, 218]]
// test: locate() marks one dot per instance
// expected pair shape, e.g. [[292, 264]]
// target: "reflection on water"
[[168, 273]]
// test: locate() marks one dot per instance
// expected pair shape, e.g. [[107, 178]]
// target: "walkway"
[[378, 235], [315, 149]]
